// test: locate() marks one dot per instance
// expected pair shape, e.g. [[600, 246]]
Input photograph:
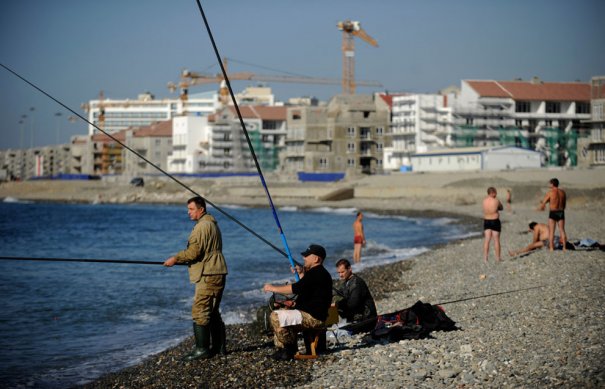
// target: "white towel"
[[289, 317]]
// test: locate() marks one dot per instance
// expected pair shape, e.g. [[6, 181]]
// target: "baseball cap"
[[315, 249]]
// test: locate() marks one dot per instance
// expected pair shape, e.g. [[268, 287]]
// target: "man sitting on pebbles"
[[540, 239], [314, 291]]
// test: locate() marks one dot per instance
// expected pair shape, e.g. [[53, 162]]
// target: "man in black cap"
[[314, 296]]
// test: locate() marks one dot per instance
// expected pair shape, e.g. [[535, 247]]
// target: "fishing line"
[[85, 260], [241, 120], [151, 163], [491, 294]]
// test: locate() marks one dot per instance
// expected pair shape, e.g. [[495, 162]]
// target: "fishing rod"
[[491, 294], [148, 161], [84, 260], [241, 120]]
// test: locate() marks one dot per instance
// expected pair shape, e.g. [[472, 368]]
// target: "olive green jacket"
[[204, 254]]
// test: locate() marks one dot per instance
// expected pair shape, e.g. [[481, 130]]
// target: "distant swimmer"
[[557, 200], [359, 238], [491, 223], [539, 240]]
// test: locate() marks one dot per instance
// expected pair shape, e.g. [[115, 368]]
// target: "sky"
[[73, 49]]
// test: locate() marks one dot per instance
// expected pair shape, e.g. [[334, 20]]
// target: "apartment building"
[[117, 115], [154, 143], [419, 123], [44, 161], [592, 148], [266, 127], [347, 136], [544, 116], [548, 117]]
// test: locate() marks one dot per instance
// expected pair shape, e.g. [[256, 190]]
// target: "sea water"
[[67, 323]]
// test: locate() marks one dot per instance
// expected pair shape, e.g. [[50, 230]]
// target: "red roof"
[[261, 112], [526, 90], [157, 129], [101, 137]]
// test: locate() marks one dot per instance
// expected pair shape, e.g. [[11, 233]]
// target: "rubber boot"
[[219, 337], [202, 343]]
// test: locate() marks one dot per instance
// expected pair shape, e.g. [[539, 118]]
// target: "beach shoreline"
[[530, 321]]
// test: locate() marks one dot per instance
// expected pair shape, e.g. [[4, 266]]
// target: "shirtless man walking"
[[556, 217], [539, 240], [359, 238], [491, 223]]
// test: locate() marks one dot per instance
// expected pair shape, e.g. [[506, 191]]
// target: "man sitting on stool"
[[314, 291]]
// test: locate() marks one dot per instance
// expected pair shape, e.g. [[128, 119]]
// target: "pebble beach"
[[530, 321]]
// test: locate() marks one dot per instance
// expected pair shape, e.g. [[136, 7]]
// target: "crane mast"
[[350, 29]]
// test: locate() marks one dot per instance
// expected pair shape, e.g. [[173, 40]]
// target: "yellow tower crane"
[[189, 79], [349, 30]]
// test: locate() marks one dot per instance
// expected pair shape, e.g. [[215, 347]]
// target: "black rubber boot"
[[286, 353], [219, 337], [202, 343]]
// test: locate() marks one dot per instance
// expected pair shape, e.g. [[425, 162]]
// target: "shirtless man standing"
[[491, 222], [539, 240], [359, 238], [556, 217]]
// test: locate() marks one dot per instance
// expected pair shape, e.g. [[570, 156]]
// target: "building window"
[[518, 123], [379, 147], [296, 115], [469, 121], [323, 163], [522, 106], [351, 147], [269, 125], [350, 162], [582, 107], [379, 131], [599, 154], [351, 132], [553, 107]]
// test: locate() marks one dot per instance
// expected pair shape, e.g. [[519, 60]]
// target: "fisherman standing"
[[208, 271]]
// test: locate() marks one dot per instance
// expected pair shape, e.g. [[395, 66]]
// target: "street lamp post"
[[58, 116]]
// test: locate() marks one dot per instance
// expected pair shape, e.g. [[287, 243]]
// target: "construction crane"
[[349, 30], [189, 79]]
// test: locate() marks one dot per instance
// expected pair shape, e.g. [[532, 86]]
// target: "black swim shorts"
[[556, 215], [493, 225]]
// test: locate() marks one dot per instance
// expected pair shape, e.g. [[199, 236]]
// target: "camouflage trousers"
[[287, 335]]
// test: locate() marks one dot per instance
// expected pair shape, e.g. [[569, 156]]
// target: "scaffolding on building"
[[465, 136], [267, 156], [561, 147], [512, 136]]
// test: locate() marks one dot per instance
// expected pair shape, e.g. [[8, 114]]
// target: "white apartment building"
[[544, 116], [191, 142], [116, 115], [420, 122]]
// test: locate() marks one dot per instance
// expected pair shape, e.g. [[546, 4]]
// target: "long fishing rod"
[[241, 120], [148, 161], [84, 260], [490, 295]]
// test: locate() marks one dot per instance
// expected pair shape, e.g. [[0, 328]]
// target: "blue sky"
[[75, 48]]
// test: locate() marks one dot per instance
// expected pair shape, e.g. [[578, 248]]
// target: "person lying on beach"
[[539, 240], [314, 297], [351, 295]]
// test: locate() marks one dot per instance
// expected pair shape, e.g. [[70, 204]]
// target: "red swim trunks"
[[357, 239]]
